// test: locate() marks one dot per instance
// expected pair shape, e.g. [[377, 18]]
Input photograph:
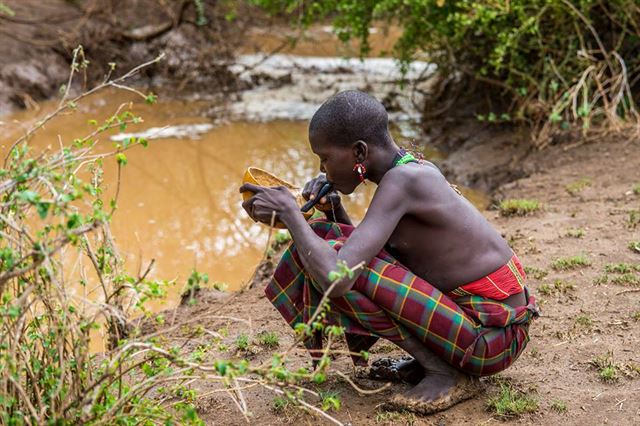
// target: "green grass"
[[584, 320], [634, 219], [636, 316], [607, 369], [242, 342], [634, 246], [268, 339], [559, 406], [609, 374], [602, 279], [395, 418], [621, 268], [575, 232], [573, 262], [330, 400], [636, 189], [280, 404], [578, 186], [558, 286], [509, 402], [626, 280], [534, 272], [518, 207]]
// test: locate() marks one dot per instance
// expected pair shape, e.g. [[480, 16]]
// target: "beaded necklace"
[[403, 157]]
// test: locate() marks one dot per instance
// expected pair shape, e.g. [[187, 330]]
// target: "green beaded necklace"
[[403, 157]]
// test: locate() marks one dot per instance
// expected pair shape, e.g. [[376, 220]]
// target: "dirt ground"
[[589, 208]]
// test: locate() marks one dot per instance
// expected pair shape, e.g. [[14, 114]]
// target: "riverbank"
[[590, 203]]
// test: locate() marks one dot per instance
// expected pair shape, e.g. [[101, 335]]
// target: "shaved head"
[[349, 116]]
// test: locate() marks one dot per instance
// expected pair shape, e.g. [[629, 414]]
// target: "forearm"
[[317, 256]]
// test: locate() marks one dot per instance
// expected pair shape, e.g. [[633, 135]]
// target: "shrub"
[[560, 62]]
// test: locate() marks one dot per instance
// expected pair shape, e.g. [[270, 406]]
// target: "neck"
[[380, 161]]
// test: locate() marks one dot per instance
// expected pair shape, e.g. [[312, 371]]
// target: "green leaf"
[[29, 196], [121, 159], [151, 98], [42, 209]]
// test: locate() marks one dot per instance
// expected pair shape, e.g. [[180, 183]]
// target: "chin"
[[345, 191]]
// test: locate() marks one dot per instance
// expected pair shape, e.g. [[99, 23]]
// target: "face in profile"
[[337, 163]]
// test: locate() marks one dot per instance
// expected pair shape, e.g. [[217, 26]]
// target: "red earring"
[[360, 170]]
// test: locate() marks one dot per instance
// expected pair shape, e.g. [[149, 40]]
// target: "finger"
[[249, 187], [248, 206], [306, 191], [317, 186]]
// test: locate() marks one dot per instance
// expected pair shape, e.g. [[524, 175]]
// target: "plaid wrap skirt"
[[478, 336]]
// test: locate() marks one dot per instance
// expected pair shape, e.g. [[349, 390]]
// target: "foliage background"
[[548, 63]]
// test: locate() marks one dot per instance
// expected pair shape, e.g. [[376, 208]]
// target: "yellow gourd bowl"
[[261, 177]]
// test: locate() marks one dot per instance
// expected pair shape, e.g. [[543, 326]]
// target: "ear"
[[360, 150]]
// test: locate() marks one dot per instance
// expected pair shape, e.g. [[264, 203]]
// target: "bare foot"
[[405, 369], [436, 392]]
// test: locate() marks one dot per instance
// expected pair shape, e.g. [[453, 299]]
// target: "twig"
[[359, 389]]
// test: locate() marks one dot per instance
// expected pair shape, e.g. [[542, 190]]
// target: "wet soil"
[[583, 316], [36, 46]]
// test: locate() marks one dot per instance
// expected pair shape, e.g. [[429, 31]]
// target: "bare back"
[[443, 238]]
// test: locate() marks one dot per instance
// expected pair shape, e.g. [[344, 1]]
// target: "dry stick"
[[37, 262], [633, 290], [25, 397], [305, 404], [593, 30], [67, 105], [359, 389]]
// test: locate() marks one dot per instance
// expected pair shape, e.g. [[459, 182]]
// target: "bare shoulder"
[[419, 180]]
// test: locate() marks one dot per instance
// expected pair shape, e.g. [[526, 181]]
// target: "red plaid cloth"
[[477, 335]]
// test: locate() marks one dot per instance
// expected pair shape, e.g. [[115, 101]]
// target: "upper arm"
[[391, 201]]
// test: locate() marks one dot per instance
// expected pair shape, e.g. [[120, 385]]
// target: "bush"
[[558, 62]]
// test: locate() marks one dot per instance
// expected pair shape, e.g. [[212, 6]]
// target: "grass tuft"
[[510, 402], [396, 418], [330, 400], [279, 404], [518, 207], [558, 286], [621, 268], [578, 186], [573, 262], [575, 232], [634, 246], [634, 219], [559, 406], [607, 369], [584, 320], [636, 316], [636, 189], [601, 279], [242, 342], [534, 272], [268, 339], [626, 280]]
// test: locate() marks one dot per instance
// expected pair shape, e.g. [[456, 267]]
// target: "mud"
[[36, 46]]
